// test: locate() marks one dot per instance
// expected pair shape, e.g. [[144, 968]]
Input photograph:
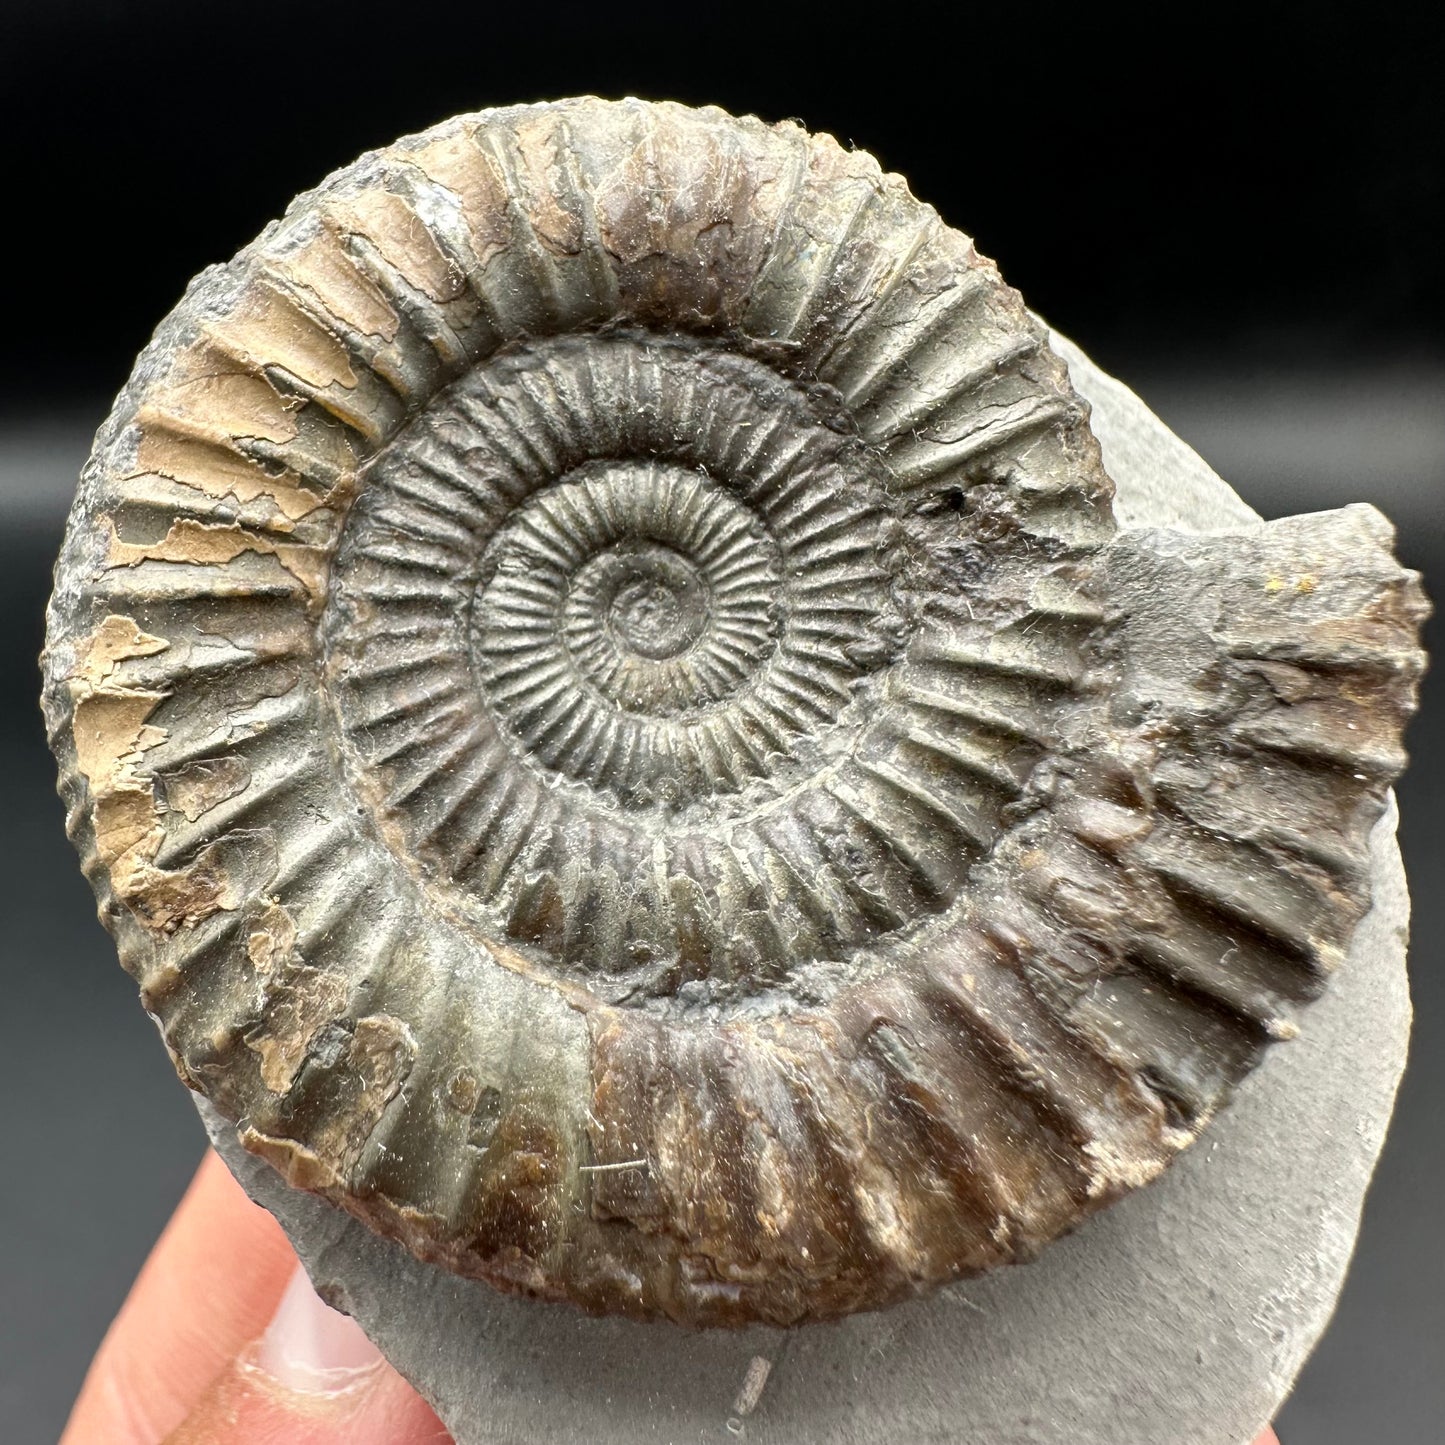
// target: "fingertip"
[[246, 1406], [209, 1285], [309, 1347], [313, 1378]]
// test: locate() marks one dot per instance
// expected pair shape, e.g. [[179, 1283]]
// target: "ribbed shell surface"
[[601, 696]]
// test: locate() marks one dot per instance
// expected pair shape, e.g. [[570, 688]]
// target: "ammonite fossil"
[[606, 708]]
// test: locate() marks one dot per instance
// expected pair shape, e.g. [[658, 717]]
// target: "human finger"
[[217, 1322]]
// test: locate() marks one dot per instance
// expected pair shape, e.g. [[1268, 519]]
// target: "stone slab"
[[1179, 1317]]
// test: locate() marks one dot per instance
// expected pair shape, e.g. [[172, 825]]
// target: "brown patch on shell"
[[202, 544], [365, 1077], [297, 1001], [198, 787], [111, 736]]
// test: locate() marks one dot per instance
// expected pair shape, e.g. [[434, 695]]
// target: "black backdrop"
[[1146, 182], [1236, 210]]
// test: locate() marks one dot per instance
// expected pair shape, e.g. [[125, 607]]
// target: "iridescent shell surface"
[[603, 700]]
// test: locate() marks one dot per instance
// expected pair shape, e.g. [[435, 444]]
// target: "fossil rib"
[[601, 696]]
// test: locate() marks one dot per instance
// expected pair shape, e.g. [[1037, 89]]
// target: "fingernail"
[[311, 1348]]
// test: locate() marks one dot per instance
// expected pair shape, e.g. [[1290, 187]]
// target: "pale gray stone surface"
[[1179, 1317]]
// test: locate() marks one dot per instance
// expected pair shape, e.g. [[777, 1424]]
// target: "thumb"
[[313, 1378], [222, 1341]]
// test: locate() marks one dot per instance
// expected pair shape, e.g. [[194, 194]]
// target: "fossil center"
[[631, 664], [657, 605], [653, 587]]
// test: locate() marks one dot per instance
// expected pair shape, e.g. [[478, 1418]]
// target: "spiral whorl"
[[599, 692], [659, 589]]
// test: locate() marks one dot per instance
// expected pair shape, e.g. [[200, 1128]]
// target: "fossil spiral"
[[605, 705]]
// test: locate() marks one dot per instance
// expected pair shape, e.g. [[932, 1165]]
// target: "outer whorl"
[[601, 696]]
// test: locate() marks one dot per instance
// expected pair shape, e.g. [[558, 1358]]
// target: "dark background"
[[1238, 212]]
